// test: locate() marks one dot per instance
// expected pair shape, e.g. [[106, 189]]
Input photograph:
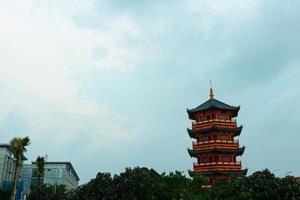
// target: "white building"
[[7, 163], [56, 173]]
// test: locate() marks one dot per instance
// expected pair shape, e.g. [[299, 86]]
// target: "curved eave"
[[192, 133], [239, 151], [213, 104], [192, 112], [232, 173]]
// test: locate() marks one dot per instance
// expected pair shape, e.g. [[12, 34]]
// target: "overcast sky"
[[105, 84]]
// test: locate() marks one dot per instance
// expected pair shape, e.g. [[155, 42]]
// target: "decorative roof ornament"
[[211, 92]]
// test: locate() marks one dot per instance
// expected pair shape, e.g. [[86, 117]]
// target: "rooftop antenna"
[[211, 92]]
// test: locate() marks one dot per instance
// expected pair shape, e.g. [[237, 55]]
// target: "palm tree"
[[40, 162], [18, 146]]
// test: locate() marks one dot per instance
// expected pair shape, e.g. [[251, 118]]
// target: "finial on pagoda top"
[[211, 92]]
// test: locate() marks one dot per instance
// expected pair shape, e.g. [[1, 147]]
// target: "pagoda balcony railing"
[[216, 143], [238, 163], [214, 120], [205, 123], [202, 167]]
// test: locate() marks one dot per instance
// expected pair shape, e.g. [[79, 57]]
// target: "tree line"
[[141, 183], [146, 184]]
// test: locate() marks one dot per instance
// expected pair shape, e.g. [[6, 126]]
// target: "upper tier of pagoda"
[[213, 104]]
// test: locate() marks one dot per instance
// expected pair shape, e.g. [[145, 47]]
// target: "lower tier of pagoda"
[[202, 167]]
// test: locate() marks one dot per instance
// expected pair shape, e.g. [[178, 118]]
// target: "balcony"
[[215, 143], [219, 122], [198, 167]]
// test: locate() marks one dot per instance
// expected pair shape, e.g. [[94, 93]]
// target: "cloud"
[[99, 79], [226, 39], [42, 54], [42, 51], [251, 39]]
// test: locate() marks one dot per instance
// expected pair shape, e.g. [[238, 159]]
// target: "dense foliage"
[[143, 184], [5, 194], [138, 183], [50, 192]]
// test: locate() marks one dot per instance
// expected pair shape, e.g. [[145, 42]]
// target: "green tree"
[[196, 192], [101, 187], [138, 183], [175, 185], [40, 162], [143, 183], [261, 185], [51, 192], [5, 194], [18, 146], [289, 188], [229, 190]]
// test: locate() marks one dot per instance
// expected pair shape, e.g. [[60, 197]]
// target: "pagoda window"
[[224, 137], [204, 138], [216, 158], [203, 118], [222, 117], [213, 116], [204, 159], [225, 159], [214, 137], [207, 159]]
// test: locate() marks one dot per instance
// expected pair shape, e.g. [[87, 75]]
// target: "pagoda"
[[214, 129]]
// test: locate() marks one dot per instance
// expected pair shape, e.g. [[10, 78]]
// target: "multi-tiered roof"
[[214, 127]]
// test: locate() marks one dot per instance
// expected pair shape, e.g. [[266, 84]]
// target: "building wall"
[[6, 165], [26, 177], [55, 174], [70, 180]]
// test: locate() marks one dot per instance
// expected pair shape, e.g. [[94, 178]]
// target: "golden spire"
[[211, 92]]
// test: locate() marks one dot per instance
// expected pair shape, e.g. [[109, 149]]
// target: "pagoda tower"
[[214, 129]]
